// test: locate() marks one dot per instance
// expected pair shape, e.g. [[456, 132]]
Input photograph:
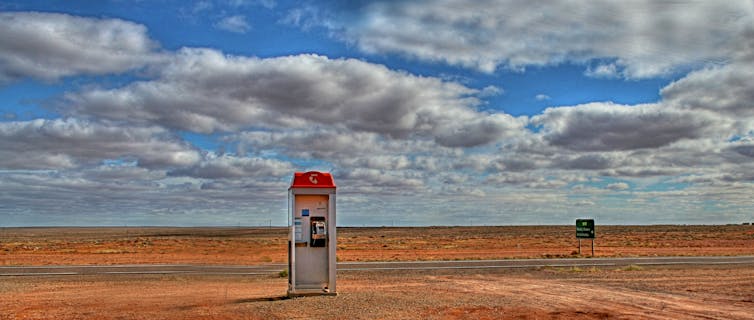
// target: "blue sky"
[[426, 112]]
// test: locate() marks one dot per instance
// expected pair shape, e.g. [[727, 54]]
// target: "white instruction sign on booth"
[[298, 230]]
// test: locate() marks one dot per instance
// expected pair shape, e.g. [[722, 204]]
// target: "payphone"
[[312, 242], [318, 232]]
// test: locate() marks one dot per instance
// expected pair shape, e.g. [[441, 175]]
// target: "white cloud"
[[345, 150], [232, 167], [532, 180], [609, 70], [322, 143], [66, 143], [726, 90], [269, 4], [308, 16], [587, 161], [608, 126], [644, 38], [618, 186], [491, 91], [373, 181], [236, 23], [204, 91], [121, 195], [49, 46], [121, 173], [202, 6], [542, 97]]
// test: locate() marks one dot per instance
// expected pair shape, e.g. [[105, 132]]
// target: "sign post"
[[585, 230]]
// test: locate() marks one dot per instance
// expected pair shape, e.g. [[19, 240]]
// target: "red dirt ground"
[[687, 292], [86, 246], [719, 292]]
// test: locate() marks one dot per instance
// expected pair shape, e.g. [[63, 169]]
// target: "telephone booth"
[[312, 238]]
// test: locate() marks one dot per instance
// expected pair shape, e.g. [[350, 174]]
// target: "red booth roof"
[[312, 179]]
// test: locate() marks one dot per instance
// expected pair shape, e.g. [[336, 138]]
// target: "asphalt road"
[[268, 269]]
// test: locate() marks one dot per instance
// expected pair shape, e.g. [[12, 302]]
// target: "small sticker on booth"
[[304, 212]]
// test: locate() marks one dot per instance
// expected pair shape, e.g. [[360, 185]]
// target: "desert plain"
[[625, 292]]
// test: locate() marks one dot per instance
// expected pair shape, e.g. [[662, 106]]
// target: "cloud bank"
[[401, 145], [204, 91], [637, 39]]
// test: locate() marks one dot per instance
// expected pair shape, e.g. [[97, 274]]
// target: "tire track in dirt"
[[564, 296]]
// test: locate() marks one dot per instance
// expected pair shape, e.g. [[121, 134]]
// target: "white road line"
[[481, 267], [99, 266], [144, 272], [240, 273], [545, 265], [557, 259], [39, 274], [692, 263], [242, 267], [144, 266]]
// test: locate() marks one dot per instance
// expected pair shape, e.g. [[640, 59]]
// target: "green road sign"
[[585, 228]]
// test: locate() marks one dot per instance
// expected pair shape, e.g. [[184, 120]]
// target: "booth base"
[[310, 293]]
